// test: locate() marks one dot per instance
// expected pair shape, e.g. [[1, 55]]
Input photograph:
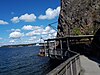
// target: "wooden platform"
[[59, 47]]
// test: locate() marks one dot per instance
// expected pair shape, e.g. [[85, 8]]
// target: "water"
[[23, 61]]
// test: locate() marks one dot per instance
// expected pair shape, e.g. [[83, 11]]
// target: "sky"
[[26, 21]]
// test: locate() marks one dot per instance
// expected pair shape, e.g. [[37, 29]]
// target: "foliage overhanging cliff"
[[79, 17]]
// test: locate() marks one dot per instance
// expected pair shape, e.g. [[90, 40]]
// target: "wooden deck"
[[59, 47], [76, 64]]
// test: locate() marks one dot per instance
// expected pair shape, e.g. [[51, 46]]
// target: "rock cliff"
[[78, 17]]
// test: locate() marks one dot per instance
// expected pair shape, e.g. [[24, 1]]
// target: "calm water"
[[23, 61]]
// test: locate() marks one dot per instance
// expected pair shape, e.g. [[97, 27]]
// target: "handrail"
[[73, 52], [71, 66], [71, 37]]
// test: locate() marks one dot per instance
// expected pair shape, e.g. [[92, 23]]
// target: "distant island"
[[22, 45]]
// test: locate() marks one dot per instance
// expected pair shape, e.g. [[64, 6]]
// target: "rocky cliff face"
[[79, 17]]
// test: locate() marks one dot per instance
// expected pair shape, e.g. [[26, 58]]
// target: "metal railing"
[[72, 66]]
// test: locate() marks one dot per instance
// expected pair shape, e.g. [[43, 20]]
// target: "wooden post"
[[61, 44], [71, 65], [61, 48], [55, 48], [48, 48], [45, 49], [68, 48], [55, 45]]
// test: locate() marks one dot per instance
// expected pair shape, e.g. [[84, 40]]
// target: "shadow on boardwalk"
[[95, 59]]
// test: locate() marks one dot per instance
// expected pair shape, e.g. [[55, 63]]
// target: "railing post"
[[74, 67], [61, 48], [45, 49], [71, 68], [66, 71], [48, 48], [68, 48], [78, 66], [55, 48], [61, 44], [79, 63]]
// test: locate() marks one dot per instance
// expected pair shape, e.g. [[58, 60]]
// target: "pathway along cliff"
[[81, 17]]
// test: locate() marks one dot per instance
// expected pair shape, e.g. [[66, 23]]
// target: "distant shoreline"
[[20, 45]]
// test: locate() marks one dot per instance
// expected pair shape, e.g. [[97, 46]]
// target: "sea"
[[24, 61]]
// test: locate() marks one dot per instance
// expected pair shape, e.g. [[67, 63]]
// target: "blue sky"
[[25, 21]]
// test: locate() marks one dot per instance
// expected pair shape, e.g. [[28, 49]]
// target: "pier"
[[78, 36], [59, 48], [74, 63]]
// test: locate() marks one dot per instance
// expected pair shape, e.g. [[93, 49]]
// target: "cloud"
[[33, 33], [15, 20], [50, 14], [30, 27], [3, 22], [47, 29], [15, 30], [26, 17], [16, 35], [1, 38], [34, 38], [30, 33], [41, 31], [27, 27], [12, 41], [37, 30]]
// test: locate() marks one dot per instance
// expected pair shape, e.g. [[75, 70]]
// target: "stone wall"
[[78, 17]]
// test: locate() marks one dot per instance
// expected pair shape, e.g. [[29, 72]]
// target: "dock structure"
[[75, 18], [59, 48], [74, 64]]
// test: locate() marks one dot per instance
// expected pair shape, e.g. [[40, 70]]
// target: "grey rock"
[[78, 17]]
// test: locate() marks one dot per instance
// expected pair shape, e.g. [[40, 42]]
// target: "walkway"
[[90, 67]]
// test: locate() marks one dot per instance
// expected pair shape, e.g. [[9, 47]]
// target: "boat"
[[42, 52]]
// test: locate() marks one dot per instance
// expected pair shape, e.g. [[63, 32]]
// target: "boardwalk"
[[60, 49], [90, 67], [57, 48]]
